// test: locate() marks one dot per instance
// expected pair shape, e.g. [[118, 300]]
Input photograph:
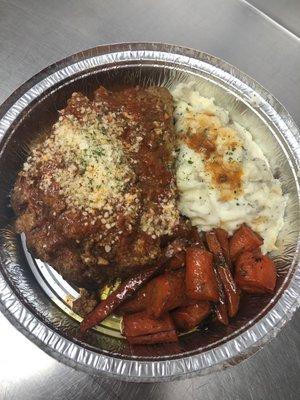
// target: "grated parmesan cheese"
[[94, 168], [87, 162]]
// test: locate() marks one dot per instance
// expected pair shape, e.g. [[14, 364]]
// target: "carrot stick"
[[187, 318], [140, 324], [255, 273], [166, 292], [214, 244], [159, 337], [223, 239], [231, 292], [124, 291], [244, 239], [221, 307], [221, 313], [127, 288], [196, 238], [200, 277], [136, 303], [232, 295]]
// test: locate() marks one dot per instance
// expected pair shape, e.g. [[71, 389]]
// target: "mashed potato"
[[223, 176]]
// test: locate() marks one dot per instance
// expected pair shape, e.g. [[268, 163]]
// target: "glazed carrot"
[[159, 337], [130, 286], [140, 324], [166, 292], [231, 292], [124, 291], [221, 313], [188, 302], [187, 318], [196, 238], [176, 262], [221, 307], [200, 277], [136, 303], [244, 239], [214, 244], [255, 273], [223, 239]]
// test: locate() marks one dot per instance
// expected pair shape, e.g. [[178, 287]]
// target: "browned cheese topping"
[[225, 172]]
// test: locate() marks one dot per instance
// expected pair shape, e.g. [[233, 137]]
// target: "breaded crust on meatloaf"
[[97, 198]]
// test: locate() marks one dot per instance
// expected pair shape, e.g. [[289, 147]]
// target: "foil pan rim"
[[229, 353]]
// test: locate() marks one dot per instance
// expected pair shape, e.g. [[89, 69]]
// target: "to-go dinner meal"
[[157, 205]]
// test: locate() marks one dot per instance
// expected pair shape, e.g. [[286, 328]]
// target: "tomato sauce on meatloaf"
[[97, 199]]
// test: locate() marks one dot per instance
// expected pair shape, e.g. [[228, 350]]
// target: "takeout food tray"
[[36, 299]]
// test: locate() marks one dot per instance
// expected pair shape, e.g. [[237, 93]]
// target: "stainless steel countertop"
[[36, 33]]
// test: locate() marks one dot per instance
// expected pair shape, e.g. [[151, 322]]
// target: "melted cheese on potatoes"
[[223, 177]]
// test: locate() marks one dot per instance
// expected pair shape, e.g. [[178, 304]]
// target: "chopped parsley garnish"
[[98, 152]]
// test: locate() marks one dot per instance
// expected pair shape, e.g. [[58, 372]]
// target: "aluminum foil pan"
[[36, 299]]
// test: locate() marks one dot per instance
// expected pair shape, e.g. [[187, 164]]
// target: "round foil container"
[[37, 300]]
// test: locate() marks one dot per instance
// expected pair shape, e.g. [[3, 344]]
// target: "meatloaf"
[[97, 198]]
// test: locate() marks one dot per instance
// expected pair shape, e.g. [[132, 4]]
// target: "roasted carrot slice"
[[196, 238], [221, 313], [255, 273], [176, 262], [124, 291], [231, 292], [166, 292], [159, 337], [221, 307], [214, 244], [136, 303], [140, 324], [187, 318], [244, 239], [200, 278], [223, 239]]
